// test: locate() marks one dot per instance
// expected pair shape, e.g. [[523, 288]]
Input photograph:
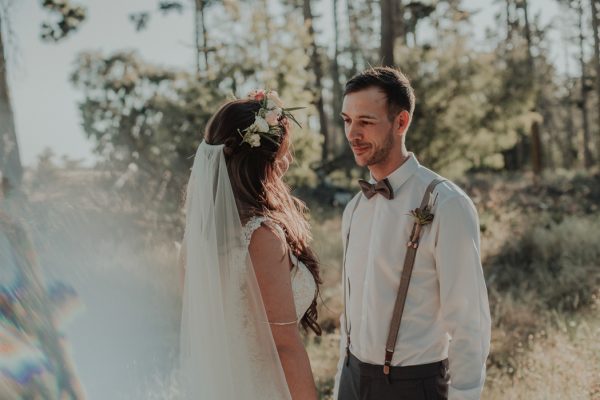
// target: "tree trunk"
[[386, 54], [353, 30], [198, 36], [10, 161], [570, 152], [399, 24], [536, 143], [595, 22], [528, 36], [536, 148], [337, 86], [315, 62], [584, 149], [508, 21], [201, 35]]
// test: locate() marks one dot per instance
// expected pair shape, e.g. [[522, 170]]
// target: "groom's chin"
[[360, 161]]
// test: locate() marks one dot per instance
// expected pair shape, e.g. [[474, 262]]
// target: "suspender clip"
[[387, 364]]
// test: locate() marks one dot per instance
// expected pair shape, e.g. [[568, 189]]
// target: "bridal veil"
[[227, 349]]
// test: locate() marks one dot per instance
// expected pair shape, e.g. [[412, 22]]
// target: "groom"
[[416, 322]]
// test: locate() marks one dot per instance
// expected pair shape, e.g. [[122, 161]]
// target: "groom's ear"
[[402, 122]]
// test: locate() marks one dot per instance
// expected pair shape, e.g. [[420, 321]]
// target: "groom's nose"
[[353, 131]]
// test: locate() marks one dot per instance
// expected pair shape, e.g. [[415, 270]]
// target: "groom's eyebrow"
[[362, 116]]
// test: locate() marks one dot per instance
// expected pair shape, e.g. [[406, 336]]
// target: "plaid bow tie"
[[382, 187]]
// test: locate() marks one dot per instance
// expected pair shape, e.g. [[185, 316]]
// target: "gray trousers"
[[362, 381]]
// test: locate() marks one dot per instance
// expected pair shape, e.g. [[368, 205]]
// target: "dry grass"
[[562, 362]]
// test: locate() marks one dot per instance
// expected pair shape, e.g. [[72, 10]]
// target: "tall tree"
[[509, 19], [68, 18], [201, 36], [317, 69], [335, 77], [523, 39], [364, 40], [535, 140], [584, 149], [10, 161], [386, 54], [569, 151], [353, 34]]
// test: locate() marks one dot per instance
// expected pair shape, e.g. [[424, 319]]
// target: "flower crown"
[[266, 122]]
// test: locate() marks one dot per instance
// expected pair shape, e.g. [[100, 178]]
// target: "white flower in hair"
[[254, 140], [261, 124], [272, 117]]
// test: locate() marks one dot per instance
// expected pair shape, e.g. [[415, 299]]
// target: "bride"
[[250, 278]]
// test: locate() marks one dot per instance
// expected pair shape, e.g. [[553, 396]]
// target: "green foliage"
[[307, 152], [146, 121], [70, 16], [458, 123], [558, 262]]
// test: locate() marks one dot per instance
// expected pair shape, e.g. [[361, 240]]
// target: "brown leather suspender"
[[409, 262]]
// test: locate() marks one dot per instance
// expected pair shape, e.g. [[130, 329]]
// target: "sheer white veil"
[[227, 349]]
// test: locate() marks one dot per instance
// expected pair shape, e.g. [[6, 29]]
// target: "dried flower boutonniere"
[[422, 216]]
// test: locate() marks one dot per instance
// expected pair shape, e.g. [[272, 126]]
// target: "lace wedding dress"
[[227, 349]]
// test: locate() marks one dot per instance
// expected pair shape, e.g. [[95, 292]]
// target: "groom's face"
[[368, 128]]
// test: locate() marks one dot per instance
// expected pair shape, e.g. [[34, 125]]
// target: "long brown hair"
[[258, 186]]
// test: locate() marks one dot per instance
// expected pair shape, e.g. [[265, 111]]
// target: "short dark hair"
[[392, 82]]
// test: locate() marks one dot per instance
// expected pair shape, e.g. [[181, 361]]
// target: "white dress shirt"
[[446, 314]]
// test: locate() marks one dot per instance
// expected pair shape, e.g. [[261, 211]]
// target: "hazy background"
[[102, 105]]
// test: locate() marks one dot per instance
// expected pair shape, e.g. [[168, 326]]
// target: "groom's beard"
[[380, 153]]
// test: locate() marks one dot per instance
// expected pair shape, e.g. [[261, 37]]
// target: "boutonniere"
[[422, 216]]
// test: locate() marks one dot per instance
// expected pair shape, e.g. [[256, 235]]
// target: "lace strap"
[[253, 224]]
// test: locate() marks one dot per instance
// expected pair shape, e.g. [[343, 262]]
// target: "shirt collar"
[[402, 173]]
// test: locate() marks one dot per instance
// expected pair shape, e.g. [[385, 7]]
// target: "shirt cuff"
[[464, 394]]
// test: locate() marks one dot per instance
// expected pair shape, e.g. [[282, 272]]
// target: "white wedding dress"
[[303, 283], [227, 351]]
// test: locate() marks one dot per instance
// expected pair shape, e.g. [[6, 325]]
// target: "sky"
[[46, 103]]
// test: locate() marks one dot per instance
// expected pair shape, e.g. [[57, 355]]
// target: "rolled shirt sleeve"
[[463, 296]]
